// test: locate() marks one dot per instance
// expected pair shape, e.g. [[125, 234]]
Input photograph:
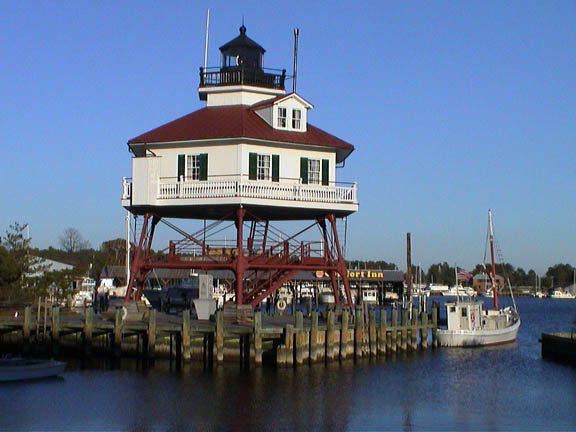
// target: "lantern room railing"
[[270, 78]]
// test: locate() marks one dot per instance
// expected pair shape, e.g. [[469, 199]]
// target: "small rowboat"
[[17, 368]]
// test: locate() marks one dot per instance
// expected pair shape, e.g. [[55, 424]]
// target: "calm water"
[[502, 388]]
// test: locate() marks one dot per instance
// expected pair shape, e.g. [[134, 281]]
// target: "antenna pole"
[[295, 70], [206, 39], [494, 282]]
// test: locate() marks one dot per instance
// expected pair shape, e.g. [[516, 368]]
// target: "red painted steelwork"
[[271, 266]]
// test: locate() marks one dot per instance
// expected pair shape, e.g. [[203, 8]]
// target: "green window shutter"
[[203, 159], [181, 165], [275, 168], [304, 170], [325, 172], [252, 162]]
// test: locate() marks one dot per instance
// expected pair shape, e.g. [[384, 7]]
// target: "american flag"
[[464, 275]]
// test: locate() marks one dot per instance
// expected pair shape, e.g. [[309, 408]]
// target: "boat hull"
[[20, 369], [473, 338]]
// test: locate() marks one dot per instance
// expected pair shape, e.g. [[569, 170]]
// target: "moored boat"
[[468, 324], [18, 369]]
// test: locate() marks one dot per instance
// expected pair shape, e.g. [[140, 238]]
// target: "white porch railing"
[[173, 189]]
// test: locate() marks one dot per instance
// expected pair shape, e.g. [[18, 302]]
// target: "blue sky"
[[454, 108]]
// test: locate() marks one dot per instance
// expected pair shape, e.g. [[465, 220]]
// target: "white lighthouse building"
[[248, 155]]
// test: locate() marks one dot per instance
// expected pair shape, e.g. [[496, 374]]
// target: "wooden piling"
[[289, 345], [88, 330], [55, 329], [414, 332], [382, 339], [345, 335], [394, 332], [373, 340], [358, 333], [219, 336], [331, 338], [403, 329], [151, 333], [26, 328], [314, 345], [257, 338], [185, 339], [424, 330], [434, 326], [117, 340]]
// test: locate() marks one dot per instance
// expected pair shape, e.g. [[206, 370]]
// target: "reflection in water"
[[506, 387]]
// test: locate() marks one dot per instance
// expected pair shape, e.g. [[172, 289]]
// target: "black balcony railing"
[[269, 78]]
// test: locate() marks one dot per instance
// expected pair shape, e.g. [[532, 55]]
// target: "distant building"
[[46, 265], [481, 282]]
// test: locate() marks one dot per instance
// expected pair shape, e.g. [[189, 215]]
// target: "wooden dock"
[[235, 334], [559, 346]]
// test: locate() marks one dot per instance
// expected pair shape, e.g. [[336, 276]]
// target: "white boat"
[[459, 291], [436, 289], [17, 369], [560, 294], [468, 324]]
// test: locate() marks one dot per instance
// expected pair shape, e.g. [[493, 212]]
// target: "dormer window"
[[296, 117], [281, 117]]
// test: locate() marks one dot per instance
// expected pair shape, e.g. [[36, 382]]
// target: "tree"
[[20, 270], [560, 275], [72, 241]]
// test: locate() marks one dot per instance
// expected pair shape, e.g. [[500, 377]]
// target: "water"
[[509, 387]]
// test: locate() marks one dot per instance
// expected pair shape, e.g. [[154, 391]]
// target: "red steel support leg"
[[143, 273], [240, 263], [341, 264], [136, 264]]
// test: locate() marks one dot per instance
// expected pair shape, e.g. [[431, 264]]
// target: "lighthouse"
[[249, 157]]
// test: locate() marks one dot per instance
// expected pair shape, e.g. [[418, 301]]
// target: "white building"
[[251, 146]]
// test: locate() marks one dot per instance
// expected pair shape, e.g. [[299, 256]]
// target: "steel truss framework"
[[261, 264]]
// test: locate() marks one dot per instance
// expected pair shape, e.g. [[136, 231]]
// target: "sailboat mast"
[[494, 284]]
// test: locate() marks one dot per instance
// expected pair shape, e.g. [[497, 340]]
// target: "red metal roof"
[[237, 121]]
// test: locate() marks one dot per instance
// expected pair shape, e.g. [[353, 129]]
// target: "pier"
[[234, 334]]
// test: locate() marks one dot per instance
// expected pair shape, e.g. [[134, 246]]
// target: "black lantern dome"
[[242, 52]]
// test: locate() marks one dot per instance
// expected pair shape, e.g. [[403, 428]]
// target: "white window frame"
[[282, 117], [192, 167], [314, 175], [264, 167], [296, 118]]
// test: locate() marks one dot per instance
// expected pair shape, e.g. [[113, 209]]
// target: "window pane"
[[296, 116], [281, 117], [313, 171], [263, 167]]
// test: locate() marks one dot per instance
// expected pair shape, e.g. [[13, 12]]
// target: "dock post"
[[289, 344], [117, 340], [151, 333], [414, 336], [394, 332], [26, 329], [257, 338], [372, 333], [434, 326], [403, 330], [314, 336], [55, 329], [358, 332], [382, 340], [424, 330], [330, 337], [186, 335], [344, 335], [88, 327], [219, 336]]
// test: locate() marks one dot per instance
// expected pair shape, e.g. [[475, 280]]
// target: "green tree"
[[560, 275], [21, 270]]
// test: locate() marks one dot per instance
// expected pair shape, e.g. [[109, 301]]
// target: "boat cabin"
[[464, 315]]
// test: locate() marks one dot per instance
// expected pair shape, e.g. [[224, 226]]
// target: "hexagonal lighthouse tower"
[[251, 157]]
